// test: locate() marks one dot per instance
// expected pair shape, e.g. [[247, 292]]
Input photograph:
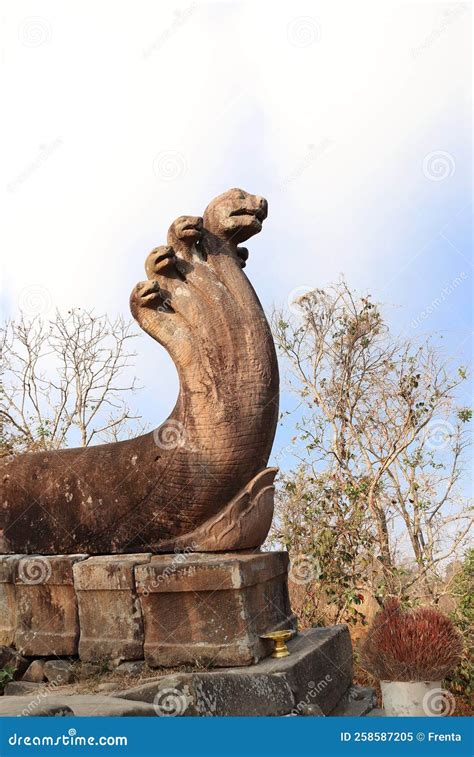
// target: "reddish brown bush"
[[422, 645]]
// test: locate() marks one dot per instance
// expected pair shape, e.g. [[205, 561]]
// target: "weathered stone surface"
[[80, 705], [89, 670], [7, 598], [215, 694], [376, 713], [319, 668], [18, 688], [109, 611], [212, 609], [356, 709], [16, 706], [314, 677], [131, 668], [356, 702], [35, 672], [311, 710], [153, 492], [47, 619], [60, 671], [243, 524]]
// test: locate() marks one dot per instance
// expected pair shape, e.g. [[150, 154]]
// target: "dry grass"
[[108, 682]]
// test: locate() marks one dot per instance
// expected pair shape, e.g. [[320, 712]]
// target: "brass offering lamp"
[[279, 638]]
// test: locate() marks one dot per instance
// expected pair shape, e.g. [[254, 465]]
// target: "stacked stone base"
[[170, 610], [315, 679]]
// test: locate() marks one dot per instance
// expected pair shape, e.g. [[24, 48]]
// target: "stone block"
[[60, 671], [47, 619], [109, 611], [229, 692], [89, 670], [7, 599], [310, 710], [356, 702], [20, 706], [377, 712], [319, 668], [35, 672], [19, 688], [211, 609], [132, 668]]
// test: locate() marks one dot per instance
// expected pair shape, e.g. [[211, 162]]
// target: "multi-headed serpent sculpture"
[[199, 481]]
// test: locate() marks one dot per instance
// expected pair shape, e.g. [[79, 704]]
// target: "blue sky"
[[354, 120]]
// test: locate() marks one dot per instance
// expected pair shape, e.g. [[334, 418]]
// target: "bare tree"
[[64, 381], [379, 417]]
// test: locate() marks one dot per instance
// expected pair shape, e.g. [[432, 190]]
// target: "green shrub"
[[462, 680]]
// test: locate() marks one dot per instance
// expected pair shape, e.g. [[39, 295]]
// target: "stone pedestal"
[[46, 622], [186, 608], [109, 611], [212, 609]]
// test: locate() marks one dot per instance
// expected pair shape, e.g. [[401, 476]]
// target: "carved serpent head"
[[187, 229], [235, 215]]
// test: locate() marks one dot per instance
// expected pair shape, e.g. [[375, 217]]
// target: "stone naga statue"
[[199, 482]]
